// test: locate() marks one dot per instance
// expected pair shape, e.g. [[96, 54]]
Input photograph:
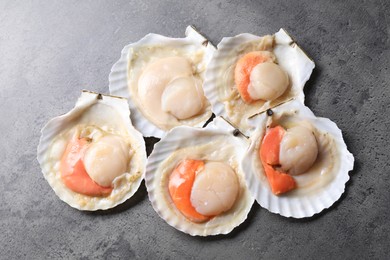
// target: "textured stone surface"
[[50, 50]]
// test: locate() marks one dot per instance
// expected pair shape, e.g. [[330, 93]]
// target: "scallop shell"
[[316, 190], [110, 113], [204, 143], [219, 79], [118, 78]]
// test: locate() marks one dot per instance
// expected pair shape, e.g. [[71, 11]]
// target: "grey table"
[[50, 50]]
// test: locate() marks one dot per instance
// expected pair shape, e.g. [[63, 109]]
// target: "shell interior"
[[108, 113]]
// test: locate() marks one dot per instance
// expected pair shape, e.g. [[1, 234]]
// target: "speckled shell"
[[118, 78], [124, 185], [180, 140], [219, 78], [298, 204]]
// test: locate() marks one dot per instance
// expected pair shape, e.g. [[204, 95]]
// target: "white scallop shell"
[[118, 78], [183, 140], [219, 79], [117, 117], [306, 202]]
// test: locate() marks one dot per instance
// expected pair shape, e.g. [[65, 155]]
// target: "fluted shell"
[[318, 188], [215, 142], [136, 56], [110, 114], [220, 87]]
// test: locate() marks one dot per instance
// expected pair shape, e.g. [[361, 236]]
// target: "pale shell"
[[308, 201], [181, 140], [118, 78], [48, 157], [219, 79]]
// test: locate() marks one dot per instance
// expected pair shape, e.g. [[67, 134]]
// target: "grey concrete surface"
[[50, 50]]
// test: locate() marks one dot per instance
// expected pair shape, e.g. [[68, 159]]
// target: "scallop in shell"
[[321, 174], [163, 79], [249, 74], [219, 151], [92, 157]]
